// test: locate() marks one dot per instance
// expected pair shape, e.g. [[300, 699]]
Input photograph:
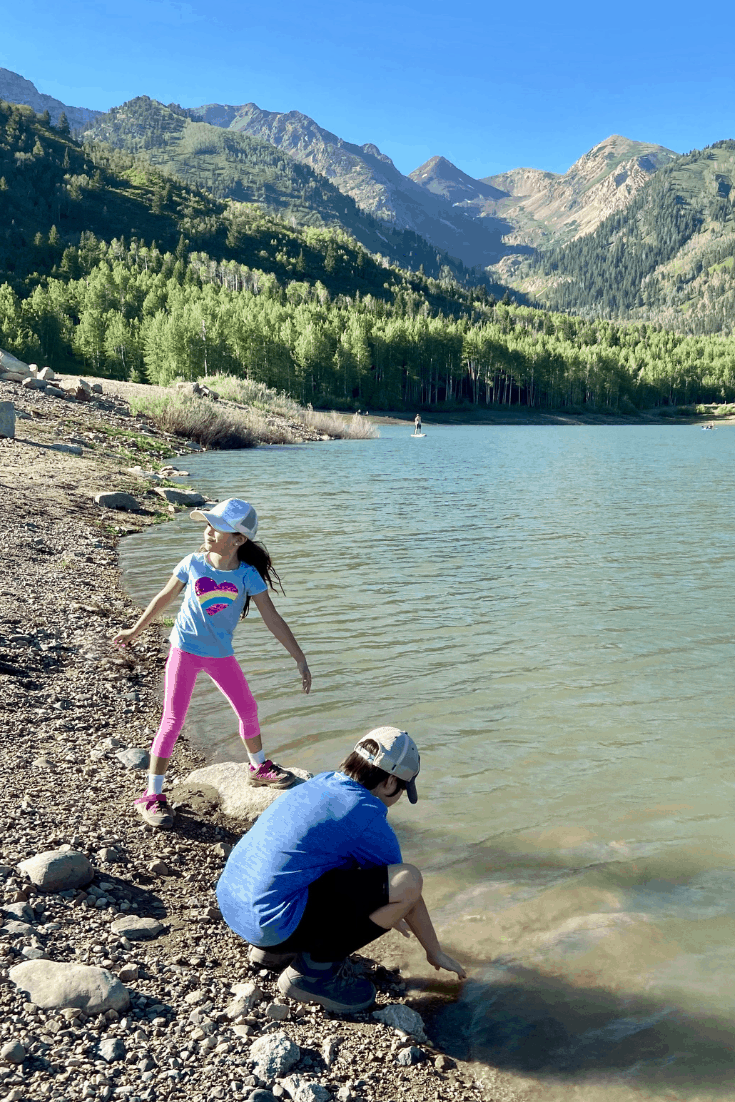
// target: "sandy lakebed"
[[175, 1011]]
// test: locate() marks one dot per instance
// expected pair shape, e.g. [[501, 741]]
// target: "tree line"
[[133, 311]]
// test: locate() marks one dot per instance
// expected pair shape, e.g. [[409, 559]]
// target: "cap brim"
[[213, 519], [411, 791]]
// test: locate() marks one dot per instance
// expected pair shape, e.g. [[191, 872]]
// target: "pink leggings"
[[181, 673]]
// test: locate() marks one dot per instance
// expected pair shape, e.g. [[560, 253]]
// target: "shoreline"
[[77, 705]]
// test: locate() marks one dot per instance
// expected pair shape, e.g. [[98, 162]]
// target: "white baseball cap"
[[397, 754], [230, 515]]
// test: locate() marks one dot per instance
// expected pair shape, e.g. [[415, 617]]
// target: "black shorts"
[[336, 921]]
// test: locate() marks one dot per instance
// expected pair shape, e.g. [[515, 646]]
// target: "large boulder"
[[12, 363], [117, 500], [7, 420], [237, 797], [58, 870], [181, 497], [53, 985]]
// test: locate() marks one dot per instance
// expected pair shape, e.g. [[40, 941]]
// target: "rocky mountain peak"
[[16, 89]]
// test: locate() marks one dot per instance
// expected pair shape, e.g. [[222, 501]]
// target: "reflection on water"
[[548, 611]]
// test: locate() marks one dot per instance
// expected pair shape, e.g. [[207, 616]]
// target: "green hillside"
[[668, 257], [232, 165], [111, 267]]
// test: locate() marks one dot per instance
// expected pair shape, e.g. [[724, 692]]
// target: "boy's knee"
[[408, 881]]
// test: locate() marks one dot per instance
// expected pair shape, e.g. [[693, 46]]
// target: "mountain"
[[231, 164], [441, 177], [544, 208], [370, 178], [668, 256], [16, 89]]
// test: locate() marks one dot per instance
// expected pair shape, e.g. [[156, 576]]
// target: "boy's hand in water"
[[440, 959], [305, 676], [123, 637]]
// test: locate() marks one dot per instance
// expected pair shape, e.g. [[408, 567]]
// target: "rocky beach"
[[118, 978]]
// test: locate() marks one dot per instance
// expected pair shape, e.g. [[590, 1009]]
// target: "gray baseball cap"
[[397, 754], [231, 515]]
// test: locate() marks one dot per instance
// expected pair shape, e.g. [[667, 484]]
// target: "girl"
[[219, 581]]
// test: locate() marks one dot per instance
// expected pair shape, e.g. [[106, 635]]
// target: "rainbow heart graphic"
[[214, 596]]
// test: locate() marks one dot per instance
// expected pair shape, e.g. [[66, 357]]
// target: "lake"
[[548, 611]]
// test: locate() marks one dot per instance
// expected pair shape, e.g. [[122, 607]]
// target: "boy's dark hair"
[[369, 776]]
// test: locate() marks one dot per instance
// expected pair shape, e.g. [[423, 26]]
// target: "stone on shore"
[[7, 420], [9, 362], [402, 1017], [58, 870], [111, 1049], [247, 995], [274, 1055], [53, 985], [237, 797], [117, 500], [48, 374], [22, 912], [134, 758], [13, 928], [69, 449], [136, 929], [301, 1089], [55, 392], [410, 1056], [13, 1052], [181, 497]]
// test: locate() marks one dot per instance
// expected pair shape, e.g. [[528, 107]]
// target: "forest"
[[111, 267]]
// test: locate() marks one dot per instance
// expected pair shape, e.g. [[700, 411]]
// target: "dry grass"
[[257, 395], [203, 422], [331, 424]]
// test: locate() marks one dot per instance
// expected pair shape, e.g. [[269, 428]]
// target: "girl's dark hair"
[[255, 554], [369, 776]]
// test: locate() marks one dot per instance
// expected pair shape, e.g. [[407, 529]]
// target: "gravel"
[[68, 702]]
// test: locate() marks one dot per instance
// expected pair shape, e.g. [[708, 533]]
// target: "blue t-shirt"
[[330, 822], [212, 604]]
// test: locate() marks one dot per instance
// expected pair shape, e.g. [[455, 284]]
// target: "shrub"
[[195, 419]]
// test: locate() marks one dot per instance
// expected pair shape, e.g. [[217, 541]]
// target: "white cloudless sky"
[[490, 87]]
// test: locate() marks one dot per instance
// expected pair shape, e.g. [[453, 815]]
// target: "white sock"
[[257, 758], [155, 784]]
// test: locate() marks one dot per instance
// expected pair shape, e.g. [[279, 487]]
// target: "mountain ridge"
[[16, 89]]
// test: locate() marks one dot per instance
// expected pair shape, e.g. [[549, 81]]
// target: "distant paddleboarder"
[[417, 425]]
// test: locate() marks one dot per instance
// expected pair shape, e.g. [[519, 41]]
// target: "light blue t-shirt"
[[212, 604], [330, 822]]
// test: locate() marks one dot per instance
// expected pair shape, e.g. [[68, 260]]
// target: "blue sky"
[[490, 87]]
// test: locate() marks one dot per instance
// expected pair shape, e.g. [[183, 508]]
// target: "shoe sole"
[[157, 824], [286, 987], [276, 962], [272, 784]]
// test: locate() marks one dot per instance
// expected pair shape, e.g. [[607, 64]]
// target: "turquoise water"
[[548, 610]]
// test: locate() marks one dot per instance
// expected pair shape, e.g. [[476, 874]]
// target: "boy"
[[320, 875]]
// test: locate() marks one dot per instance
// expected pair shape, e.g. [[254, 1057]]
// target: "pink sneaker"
[[271, 775], [154, 810]]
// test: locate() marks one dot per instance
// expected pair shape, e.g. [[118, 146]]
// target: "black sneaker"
[[335, 988]]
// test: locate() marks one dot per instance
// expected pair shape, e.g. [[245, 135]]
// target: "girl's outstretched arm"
[[161, 600], [278, 627]]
